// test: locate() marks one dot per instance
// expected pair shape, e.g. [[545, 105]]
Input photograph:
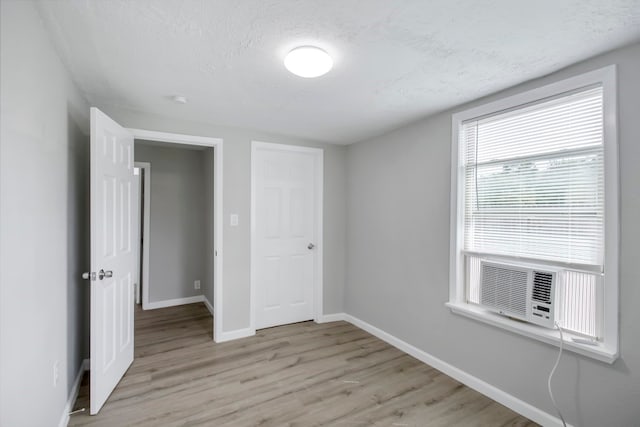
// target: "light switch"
[[234, 220]]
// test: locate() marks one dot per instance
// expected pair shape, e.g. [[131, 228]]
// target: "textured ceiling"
[[395, 61]]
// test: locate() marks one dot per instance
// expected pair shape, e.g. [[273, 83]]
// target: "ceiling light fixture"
[[308, 61]]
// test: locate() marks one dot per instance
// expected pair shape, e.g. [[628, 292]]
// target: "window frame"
[[607, 349]]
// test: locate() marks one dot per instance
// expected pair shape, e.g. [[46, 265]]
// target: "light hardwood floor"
[[305, 374]]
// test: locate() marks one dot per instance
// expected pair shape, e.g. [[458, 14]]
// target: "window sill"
[[599, 352]]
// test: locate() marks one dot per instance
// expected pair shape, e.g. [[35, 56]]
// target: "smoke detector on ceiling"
[[179, 99]]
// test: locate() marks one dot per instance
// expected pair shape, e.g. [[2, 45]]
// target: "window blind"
[[534, 181]]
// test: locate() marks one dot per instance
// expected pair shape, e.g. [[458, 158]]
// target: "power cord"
[[553, 400]]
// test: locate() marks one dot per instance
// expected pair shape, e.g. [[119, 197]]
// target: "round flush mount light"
[[308, 61]]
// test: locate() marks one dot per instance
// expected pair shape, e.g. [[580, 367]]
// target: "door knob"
[[87, 275], [102, 274], [311, 246]]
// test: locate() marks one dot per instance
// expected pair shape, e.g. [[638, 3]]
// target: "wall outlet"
[[196, 284], [56, 373], [234, 220]]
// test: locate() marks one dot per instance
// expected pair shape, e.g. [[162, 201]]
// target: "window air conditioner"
[[519, 291]]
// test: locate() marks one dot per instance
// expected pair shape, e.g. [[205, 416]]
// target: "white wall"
[[43, 222], [177, 224], [398, 252], [237, 189]]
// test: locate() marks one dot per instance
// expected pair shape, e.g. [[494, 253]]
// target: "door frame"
[[216, 144], [318, 282], [145, 204]]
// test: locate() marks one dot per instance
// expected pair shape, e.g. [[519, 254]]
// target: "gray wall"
[[397, 217], [237, 189], [43, 222], [398, 252], [177, 225]]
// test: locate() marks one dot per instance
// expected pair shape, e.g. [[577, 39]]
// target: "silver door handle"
[[87, 275], [311, 246], [102, 274]]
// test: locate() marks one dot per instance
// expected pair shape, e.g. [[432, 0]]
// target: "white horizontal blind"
[[534, 181]]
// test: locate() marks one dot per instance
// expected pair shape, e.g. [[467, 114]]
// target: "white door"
[[285, 233], [113, 257]]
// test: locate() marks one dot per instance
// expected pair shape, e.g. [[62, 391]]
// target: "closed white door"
[[113, 255], [284, 241]]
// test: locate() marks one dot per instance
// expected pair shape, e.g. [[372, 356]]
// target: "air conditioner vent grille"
[[542, 283], [504, 289]]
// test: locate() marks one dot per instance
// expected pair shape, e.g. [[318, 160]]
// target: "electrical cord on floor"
[[553, 400]]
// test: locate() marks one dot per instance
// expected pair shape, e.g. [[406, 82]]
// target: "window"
[[534, 181]]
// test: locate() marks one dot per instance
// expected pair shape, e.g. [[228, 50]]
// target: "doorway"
[[211, 149], [176, 213], [286, 234], [142, 171]]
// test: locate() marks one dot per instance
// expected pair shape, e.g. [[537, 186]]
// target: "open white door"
[[113, 257]]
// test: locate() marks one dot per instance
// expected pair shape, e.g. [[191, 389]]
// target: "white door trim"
[[175, 138], [318, 283], [216, 144], [146, 206], [137, 172]]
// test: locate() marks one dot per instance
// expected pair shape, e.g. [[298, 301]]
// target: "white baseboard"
[[248, 332], [208, 304], [237, 334], [334, 317], [467, 379], [73, 394], [172, 302]]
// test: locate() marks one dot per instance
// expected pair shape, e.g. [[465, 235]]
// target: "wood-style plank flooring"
[[305, 374]]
